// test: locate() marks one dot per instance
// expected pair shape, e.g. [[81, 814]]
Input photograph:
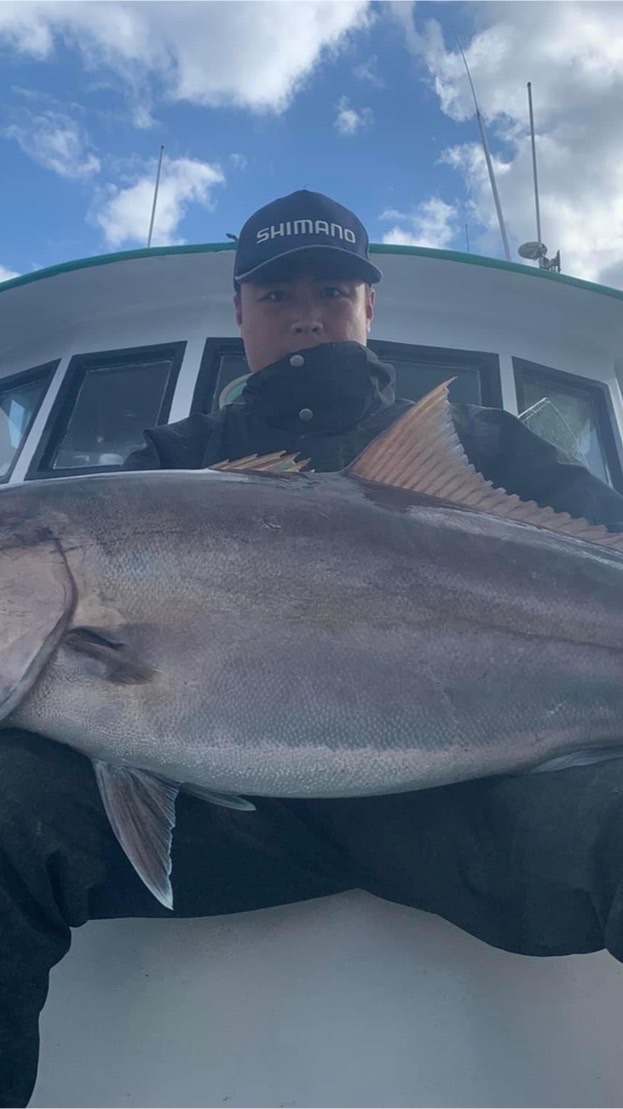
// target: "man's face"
[[303, 309]]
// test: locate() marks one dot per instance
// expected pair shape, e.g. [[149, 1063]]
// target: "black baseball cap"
[[303, 222]]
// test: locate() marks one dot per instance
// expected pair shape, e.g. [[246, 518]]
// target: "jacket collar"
[[327, 389]]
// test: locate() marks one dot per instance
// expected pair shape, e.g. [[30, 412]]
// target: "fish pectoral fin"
[[422, 452], [279, 463], [227, 800], [578, 758], [141, 809], [107, 647]]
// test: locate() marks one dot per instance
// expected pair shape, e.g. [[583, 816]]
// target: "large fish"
[[398, 626]]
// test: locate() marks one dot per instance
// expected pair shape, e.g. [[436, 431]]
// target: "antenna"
[[536, 182], [153, 207], [483, 138], [537, 252]]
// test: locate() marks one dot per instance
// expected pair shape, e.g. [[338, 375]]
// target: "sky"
[[367, 102]]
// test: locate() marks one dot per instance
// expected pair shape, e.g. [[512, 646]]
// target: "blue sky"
[[367, 102]]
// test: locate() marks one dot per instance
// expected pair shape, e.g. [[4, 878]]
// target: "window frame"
[[486, 363], [64, 405], [599, 393], [42, 373], [204, 393]]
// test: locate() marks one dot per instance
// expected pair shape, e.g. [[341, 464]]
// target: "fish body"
[[286, 634]]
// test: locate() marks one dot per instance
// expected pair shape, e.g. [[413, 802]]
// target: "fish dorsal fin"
[[280, 463], [422, 452]]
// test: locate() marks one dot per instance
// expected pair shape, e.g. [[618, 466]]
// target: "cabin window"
[[232, 377], [20, 399], [106, 402], [571, 412], [222, 375], [418, 370]]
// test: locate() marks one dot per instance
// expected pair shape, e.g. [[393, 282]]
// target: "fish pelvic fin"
[[141, 809], [422, 452]]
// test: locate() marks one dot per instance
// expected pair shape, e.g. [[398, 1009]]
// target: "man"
[[303, 299], [530, 864]]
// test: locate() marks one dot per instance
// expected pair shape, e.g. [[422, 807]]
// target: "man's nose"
[[307, 317], [307, 325]]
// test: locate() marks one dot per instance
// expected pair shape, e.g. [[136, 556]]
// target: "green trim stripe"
[[376, 248], [109, 259]]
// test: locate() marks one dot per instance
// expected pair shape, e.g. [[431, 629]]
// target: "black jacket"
[[331, 407]]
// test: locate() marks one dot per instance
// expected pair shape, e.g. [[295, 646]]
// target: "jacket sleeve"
[[514, 458], [144, 458], [180, 446]]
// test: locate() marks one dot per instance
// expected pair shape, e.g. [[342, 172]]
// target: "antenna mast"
[[153, 207], [537, 252], [536, 182], [485, 147]]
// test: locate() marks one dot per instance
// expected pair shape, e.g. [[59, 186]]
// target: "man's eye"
[[274, 296], [333, 292]]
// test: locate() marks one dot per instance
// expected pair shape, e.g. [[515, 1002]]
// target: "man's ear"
[[238, 308], [370, 303]]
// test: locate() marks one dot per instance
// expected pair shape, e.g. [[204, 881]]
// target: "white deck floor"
[[345, 1001]]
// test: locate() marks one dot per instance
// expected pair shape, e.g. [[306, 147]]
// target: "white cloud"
[[433, 223], [123, 213], [368, 71], [573, 52], [24, 30], [247, 54], [349, 121], [238, 161], [55, 141], [7, 274]]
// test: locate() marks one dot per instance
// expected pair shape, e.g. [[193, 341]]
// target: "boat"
[[347, 1000]]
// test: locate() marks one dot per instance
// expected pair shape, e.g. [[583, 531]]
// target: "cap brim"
[[342, 263]]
